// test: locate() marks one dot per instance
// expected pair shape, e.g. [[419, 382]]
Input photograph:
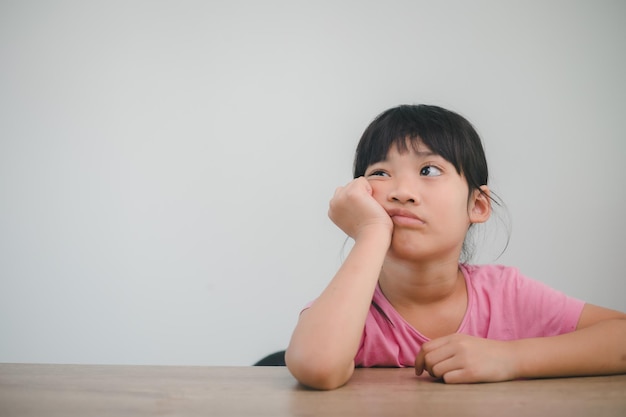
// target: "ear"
[[480, 205]]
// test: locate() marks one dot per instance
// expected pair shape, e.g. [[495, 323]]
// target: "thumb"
[[366, 185], [419, 362]]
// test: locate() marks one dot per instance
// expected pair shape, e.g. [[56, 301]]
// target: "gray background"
[[165, 167]]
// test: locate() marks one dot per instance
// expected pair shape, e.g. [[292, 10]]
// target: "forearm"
[[323, 345], [599, 349]]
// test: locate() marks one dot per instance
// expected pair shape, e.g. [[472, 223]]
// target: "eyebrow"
[[425, 153]]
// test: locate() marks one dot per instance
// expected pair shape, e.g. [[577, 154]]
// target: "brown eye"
[[430, 171]]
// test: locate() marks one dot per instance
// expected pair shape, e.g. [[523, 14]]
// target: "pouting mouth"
[[403, 213]]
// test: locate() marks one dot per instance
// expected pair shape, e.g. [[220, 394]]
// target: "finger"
[[356, 187], [419, 362], [445, 369], [435, 344], [456, 376], [367, 186], [438, 361]]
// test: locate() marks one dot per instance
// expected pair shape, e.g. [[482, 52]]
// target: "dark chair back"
[[273, 359]]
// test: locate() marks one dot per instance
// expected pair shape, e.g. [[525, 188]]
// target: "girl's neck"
[[411, 284]]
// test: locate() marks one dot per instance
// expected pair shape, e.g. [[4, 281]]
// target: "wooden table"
[[93, 390]]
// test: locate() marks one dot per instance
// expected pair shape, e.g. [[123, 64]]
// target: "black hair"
[[444, 132]]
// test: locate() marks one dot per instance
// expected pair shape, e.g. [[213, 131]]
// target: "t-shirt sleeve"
[[537, 310]]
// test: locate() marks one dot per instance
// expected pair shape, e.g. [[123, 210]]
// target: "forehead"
[[415, 146]]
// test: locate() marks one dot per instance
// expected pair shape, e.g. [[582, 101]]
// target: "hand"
[[459, 358], [353, 209]]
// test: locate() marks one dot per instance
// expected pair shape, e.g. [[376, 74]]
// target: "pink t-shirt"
[[502, 305]]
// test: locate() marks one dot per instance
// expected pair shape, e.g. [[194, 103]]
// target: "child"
[[402, 297]]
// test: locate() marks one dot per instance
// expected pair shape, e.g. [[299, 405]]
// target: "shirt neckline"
[[396, 318]]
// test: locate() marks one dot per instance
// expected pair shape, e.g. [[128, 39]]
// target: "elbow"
[[317, 374]]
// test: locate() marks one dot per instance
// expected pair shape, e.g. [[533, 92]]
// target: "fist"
[[354, 209], [459, 358]]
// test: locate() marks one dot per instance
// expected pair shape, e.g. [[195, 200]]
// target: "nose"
[[403, 192]]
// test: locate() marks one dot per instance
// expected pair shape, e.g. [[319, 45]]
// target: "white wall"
[[165, 167]]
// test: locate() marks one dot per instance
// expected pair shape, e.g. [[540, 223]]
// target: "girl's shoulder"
[[489, 271], [494, 276], [502, 278]]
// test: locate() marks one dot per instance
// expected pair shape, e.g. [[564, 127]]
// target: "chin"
[[406, 250]]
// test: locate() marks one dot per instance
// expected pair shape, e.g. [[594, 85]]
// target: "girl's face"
[[428, 203]]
